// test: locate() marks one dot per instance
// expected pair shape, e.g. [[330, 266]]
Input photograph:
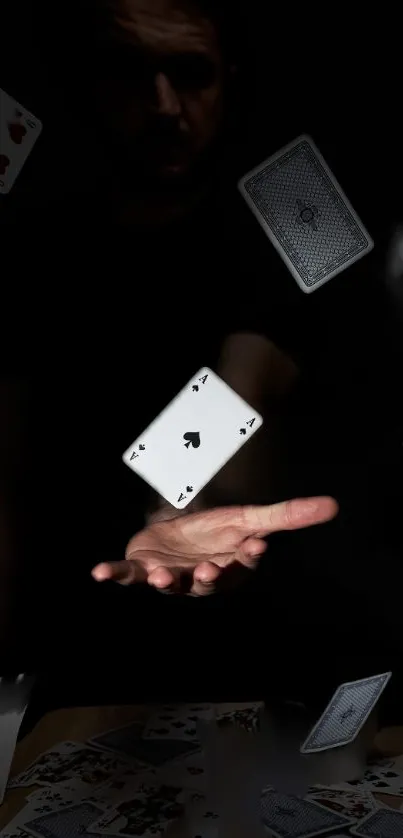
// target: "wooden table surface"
[[81, 723]]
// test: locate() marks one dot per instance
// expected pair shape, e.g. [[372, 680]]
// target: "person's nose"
[[167, 101]]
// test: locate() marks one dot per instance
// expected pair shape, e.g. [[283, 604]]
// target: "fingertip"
[[207, 573], [161, 578], [102, 572]]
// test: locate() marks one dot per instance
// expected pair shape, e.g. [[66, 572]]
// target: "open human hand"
[[192, 552]]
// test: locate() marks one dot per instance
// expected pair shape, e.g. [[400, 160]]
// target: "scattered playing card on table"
[[346, 714], [287, 816], [246, 717], [71, 822], [121, 740], [305, 214], [384, 776], [19, 131], [190, 772], [177, 722], [351, 803], [147, 812], [193, 438], [71, 761], [381, 824]]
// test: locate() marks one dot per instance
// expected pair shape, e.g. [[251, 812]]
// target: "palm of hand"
[[200, 547], [203, 542]]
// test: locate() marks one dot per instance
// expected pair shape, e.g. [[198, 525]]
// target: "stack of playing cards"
[[305, 214]]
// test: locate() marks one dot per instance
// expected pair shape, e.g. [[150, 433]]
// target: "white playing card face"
[[19, 131], [193, 438], [305, 214], [346, 714]]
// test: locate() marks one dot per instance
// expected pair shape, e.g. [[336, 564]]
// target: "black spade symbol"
[[242, 431], [193, 439], [189, 488], [195, 388], [142, 447]]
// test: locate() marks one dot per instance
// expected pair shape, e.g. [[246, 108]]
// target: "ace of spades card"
[[193, 438], [19, 130]]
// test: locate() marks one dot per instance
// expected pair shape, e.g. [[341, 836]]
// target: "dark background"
[[340, 83]]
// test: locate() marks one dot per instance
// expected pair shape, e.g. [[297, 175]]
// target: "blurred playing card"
[[189, 772], [121, 740], [177, 722], [381, 824], [66, 823], [385, 776], [305, 214], [354, 804], [147, 812], [71, 761], [14, 698], [19, 131], [245, 716], [291, 817], [346, 714]]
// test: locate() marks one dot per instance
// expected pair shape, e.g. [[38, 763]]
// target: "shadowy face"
[[160, 87]]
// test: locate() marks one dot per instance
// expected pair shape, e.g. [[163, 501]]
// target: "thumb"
[[288, 515]]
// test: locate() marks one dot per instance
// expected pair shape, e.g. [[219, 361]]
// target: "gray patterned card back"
[[306, 215], [287, 816], [346, 714], [381, 824]]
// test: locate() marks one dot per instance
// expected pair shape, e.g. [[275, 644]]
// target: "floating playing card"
[[346, 714], [193, 438], [381, 824], [306, 215], [19, 131], [287, 816]]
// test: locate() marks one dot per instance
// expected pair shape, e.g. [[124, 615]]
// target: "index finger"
[[288, 515]]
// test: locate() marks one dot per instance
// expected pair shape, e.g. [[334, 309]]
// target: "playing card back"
[[346, 714], [305, 214]]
